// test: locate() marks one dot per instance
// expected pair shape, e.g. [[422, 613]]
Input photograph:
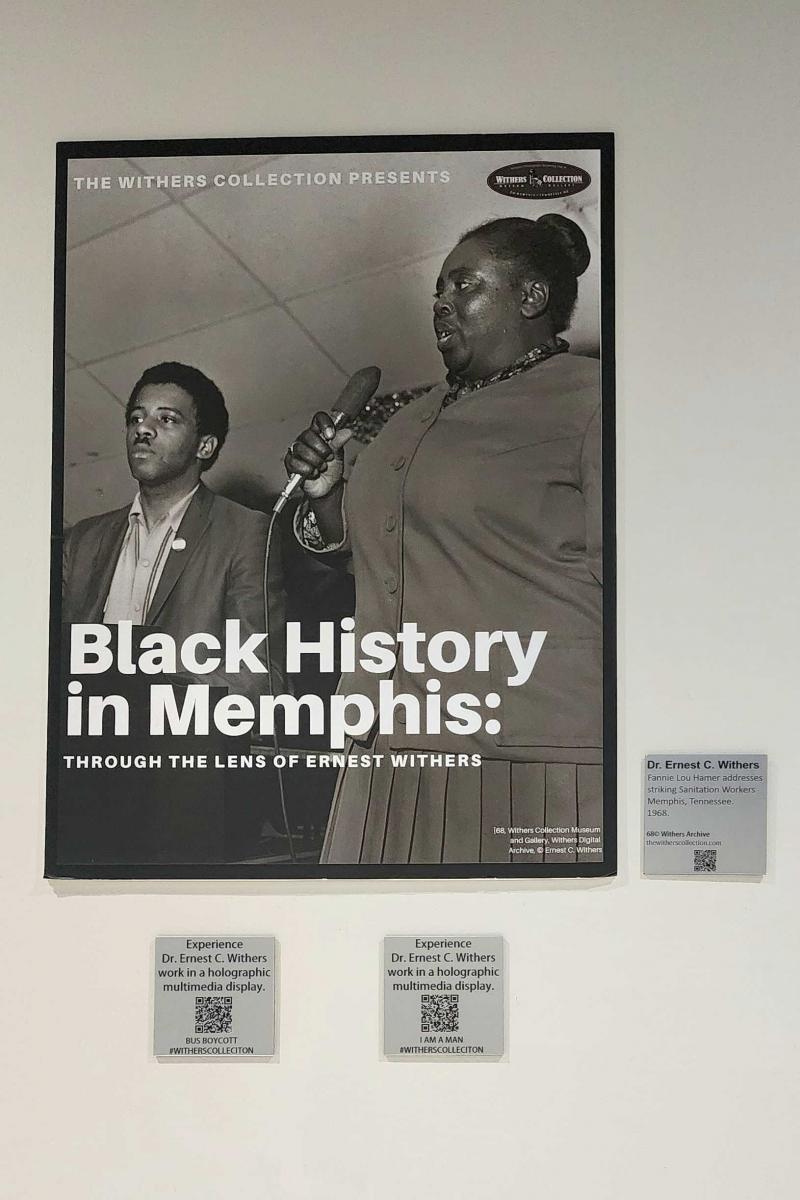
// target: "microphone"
[[354, 395]]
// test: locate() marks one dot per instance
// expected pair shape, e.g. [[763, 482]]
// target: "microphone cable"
[[270, 664], [358, 389]]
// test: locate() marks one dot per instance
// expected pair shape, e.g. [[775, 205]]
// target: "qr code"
[[705, 860], [213, 1014], [439, 1014]]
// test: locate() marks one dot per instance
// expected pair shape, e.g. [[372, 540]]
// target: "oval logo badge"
[[539, 180]]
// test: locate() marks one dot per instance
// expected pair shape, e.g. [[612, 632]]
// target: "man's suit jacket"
[[218, 576]]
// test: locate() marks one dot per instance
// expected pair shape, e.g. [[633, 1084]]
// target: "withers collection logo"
[[539, 180]]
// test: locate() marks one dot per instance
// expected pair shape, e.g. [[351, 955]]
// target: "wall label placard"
[[214, 997], [705, 814], [443, 997]]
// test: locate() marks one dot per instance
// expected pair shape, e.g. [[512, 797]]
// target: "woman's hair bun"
[[569, 237]]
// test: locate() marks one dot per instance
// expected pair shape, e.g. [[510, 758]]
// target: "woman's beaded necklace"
[[461, 387]]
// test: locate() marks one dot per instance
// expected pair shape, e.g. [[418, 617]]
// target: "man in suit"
[[179, 558]]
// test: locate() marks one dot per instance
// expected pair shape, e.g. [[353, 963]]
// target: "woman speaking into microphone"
[[478, 507]]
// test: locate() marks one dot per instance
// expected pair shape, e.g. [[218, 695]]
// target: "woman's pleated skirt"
[[474, 814]]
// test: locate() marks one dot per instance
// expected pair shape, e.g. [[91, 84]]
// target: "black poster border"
[[604, 142]]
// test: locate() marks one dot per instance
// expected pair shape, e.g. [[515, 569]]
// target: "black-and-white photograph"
[[333, 569]]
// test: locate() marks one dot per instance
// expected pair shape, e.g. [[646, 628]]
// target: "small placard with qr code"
[[705, 815], [214, 997], [444, 997]]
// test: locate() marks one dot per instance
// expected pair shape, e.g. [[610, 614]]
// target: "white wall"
[[653, 1039]]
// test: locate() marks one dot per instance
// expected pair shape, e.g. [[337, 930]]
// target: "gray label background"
[[204, 964], [435, 970], [695, 802]]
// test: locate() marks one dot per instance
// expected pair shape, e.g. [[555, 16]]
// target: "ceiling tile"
[[189, 167], [385, 319], [263, 363], [96, 487], [156, 277], [300, 238], [92, 212], [94, 423], [251, 467]]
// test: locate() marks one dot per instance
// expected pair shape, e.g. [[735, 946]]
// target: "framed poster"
[[402, 662]]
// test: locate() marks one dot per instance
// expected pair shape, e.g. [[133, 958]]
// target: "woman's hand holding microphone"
[[316, 457]]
